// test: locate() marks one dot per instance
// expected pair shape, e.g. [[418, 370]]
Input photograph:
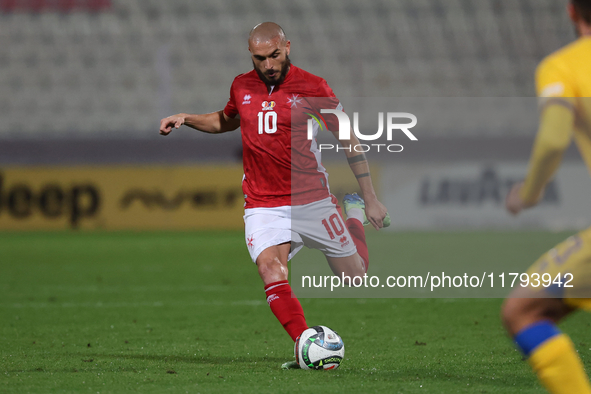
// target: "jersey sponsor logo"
[[268, 105], [246, 99]]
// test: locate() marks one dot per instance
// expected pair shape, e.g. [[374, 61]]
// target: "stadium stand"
[[90, 68]]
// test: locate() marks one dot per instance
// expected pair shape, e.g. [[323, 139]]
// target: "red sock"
[[357, 232], [286, 308]]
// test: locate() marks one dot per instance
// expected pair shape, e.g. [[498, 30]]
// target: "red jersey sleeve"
[[231, 109], [325, 91], [329, 101]]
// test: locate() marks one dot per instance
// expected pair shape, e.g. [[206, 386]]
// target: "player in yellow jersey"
[[530, 314]]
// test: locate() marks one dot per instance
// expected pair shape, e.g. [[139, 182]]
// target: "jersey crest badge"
[[294, 100]]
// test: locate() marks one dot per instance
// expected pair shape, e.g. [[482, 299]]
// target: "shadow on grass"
[[395, 377], [433, 376], [198, 359], [88, 359]]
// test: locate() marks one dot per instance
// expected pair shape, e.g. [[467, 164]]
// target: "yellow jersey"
[[563, 83]]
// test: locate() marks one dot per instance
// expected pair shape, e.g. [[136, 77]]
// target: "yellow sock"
[[559, 368]]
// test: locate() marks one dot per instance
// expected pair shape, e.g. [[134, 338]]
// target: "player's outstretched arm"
[[375, 211], [553, 138], [215, 122]]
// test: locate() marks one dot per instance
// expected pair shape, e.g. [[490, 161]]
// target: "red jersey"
[[281, 166]]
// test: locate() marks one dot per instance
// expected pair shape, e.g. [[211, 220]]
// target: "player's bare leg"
[[272, 263], [521, 310], [348, 266], [551, 354]]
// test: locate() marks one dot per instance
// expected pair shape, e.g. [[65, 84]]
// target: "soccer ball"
[[319, 347]]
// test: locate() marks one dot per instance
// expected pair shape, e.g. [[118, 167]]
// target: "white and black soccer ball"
[[319, 347]]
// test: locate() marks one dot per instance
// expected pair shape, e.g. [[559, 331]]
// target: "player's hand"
[[167, 124], [513, 202], [375, 212]]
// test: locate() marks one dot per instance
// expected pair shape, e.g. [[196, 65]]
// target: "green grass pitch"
[[186, 312]]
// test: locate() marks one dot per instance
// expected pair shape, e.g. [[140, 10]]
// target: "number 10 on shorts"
[[334, 226]]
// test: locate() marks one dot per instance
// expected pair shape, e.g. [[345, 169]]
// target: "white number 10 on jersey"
[[267, 122]]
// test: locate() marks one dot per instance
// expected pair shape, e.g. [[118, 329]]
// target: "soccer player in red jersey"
[[261, 104]]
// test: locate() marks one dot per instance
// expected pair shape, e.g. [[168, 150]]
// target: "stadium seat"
[[110, 61]]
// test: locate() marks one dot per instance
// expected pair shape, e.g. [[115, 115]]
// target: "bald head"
[[266, 32], [269, 50]]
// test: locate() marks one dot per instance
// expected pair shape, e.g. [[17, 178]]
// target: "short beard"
[[284, 70]]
